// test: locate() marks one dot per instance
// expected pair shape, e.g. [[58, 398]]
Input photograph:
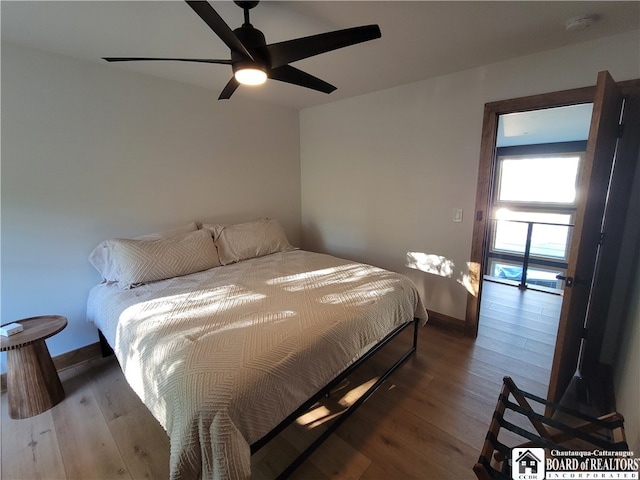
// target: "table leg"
[[33, 385]]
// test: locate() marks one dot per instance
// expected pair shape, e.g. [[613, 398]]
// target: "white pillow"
[[102, 260], [249, 240], [214, 228], [142, 261]]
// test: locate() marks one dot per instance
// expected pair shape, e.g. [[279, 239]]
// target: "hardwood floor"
[[527, 320], [428, 421]]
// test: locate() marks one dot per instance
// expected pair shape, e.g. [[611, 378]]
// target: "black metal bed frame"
[[107, 350], [327, 389]]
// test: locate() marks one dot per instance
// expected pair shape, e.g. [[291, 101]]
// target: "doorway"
[[486, 175], [587, 237], [538, 157]]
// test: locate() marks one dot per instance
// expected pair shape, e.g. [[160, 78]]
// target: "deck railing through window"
[[545, 246]]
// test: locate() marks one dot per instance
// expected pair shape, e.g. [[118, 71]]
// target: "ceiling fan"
[[253, 61]]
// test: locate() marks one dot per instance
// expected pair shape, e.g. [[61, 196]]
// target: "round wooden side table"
[[33, 384]]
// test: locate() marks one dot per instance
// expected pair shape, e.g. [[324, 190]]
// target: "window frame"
[[567, 208]]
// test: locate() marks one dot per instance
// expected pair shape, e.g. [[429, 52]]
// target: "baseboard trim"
[[66, 360], [446, 321]]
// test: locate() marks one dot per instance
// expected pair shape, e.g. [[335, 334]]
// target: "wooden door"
[[593, 188]]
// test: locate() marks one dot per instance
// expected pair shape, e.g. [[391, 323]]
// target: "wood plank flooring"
[[527, 320], [428, 421]]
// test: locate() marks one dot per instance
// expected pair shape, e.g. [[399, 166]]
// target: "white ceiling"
[[420, 39]]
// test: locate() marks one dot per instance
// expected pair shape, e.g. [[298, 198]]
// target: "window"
[[534, 204], [538, 179]]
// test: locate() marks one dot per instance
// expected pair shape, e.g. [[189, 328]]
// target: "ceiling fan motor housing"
[[254, 40]]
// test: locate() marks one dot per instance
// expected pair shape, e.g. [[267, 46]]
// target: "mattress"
[[222, 356]]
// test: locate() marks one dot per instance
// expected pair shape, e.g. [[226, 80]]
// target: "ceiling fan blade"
[[292, 50], [289, 74], [144, 59], [220, 28], [229, 89]]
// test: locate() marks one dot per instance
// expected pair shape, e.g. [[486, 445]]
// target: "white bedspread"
[[220, 357]]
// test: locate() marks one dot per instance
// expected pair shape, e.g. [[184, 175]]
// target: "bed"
[[222, 354]]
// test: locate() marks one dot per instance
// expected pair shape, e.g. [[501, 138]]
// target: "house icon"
[[528, 462]]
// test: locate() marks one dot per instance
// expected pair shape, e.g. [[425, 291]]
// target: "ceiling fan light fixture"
[[253, 61], [250, 76]]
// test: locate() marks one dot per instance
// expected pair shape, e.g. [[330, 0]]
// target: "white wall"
[[627, 369], [90, 152], [627, 366], [622, 343], [381, 173]]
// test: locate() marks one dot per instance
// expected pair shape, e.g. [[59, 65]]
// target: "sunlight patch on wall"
[[443, 267], [470, 279], [430, 263]]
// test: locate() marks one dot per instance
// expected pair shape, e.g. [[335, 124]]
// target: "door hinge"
[[620, 130], [601, 240], [479, 215], [585, 332]]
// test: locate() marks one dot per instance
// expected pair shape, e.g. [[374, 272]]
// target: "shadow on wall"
[[335, 240], [311, 238]]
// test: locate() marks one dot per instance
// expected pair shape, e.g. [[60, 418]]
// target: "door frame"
[[616, 206], [486, 169]]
